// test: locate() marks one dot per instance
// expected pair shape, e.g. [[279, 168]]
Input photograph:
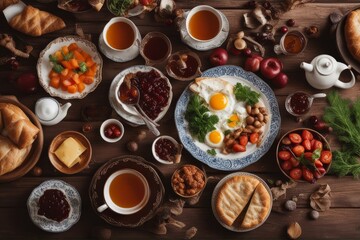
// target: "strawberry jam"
[[53, 205]]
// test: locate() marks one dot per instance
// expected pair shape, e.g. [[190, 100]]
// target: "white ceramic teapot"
[[49, 111], [323, 72]]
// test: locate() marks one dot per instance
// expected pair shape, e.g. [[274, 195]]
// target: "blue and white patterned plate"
[[49, 225], [233, 161]]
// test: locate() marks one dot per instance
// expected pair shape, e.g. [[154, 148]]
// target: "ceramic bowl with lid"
[[183, 65]]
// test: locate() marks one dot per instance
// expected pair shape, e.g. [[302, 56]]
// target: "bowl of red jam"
[[112, 130], [166, 150]]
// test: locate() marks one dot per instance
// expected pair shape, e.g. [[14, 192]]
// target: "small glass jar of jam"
[[298, 103]]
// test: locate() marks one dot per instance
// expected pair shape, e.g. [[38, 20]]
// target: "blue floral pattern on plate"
[[49, 225], [239, 160]]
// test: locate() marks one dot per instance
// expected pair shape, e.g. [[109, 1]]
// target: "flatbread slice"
[[233, 197], [258, 209]]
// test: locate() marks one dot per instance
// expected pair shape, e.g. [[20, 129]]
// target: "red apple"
[[270, 67], [280, 80], [219, 57], [252, 64]]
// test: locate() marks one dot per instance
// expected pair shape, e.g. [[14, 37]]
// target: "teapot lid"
[[325, 64]]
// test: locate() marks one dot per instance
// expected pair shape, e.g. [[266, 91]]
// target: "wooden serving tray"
[[36, 148]]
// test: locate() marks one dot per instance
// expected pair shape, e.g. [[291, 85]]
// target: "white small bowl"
[[154, 152], [111, 121]]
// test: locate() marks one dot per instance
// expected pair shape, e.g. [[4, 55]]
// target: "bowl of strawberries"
[[303, 154]]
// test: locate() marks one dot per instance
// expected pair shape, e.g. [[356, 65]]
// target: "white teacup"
[[198, 9], [132, 47], [132, 181]]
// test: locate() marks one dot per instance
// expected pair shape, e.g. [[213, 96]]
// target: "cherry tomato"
[[146, 2], [296, 173], [326, 157], [308, 156], [316, 144], [254, 138], [294, 162], [284, 155], [295, 138], [318, 163], [239, 148], [243, 140], [298, 150], [307, 144], [308, 175], [286, 165], [307, 135]]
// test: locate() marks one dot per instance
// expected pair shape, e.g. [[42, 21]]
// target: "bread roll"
[[11, 156], [17, 126], [352, 33], [34, 22]]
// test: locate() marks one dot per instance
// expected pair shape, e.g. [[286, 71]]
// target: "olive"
[[284, 29], [290, 22]]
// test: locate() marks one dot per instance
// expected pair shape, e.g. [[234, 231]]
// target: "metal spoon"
[[148, 121]]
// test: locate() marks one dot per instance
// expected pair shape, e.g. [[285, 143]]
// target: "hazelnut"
[[132, 146], [312, 32], [240, 44], [37, 171], [314, 214], [290, 205], [240, 34]]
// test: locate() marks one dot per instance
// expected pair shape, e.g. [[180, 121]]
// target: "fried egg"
[[214, 138]]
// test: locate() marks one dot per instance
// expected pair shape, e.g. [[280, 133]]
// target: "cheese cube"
[[69, 152]]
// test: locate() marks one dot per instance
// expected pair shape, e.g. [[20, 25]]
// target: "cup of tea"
[[203, 23], [291, 43], [155, 48], [120, 35], [125, 192]]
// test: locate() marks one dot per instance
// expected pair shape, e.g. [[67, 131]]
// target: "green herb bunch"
[[119, 7], [200, 120], [245, 94], [344, 117]]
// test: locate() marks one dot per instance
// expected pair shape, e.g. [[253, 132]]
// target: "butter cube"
[[69, 152]]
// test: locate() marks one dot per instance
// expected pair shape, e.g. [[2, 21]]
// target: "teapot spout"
[[64, 109], [307, 67]]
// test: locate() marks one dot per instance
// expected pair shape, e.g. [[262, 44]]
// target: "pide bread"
[[239, 194], [34, 22], [258, 209], [17, 136], [352, 33]]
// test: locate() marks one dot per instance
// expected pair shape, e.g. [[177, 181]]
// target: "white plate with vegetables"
[[70, 67], [229, 119]]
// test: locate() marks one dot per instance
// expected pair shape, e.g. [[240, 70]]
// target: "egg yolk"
[[218, 101], [215, 137], [233, 120]]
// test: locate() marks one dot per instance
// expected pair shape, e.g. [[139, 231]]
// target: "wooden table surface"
[[340, 222]]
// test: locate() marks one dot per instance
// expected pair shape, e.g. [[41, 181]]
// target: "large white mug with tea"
[[120, 36], [125, 192], [203, 23]]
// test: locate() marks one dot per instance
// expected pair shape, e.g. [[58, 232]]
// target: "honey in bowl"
[[127, 190], [120, 35], [204, 25]]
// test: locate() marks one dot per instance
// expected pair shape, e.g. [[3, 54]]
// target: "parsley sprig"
[[199, 118], [245, 94]]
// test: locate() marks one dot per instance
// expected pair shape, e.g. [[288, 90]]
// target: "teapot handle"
[[350, 84]]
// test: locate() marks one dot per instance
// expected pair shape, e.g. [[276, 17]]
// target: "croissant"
[[11, 156], [352, 33], [17, 126], [34, 22], [5, 3]]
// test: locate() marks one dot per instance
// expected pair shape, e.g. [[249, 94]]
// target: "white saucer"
[[49, 225], [126, 112], [204, 46], [115, 56]]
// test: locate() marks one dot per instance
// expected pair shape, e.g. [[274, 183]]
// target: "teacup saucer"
[[204, 46], [116, 56]]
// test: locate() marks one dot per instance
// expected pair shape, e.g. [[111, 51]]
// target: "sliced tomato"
[[243, 140], [298, 150], [307, 175], [239, 148], [307, 144], [296, 173], [284, 155], [307, 135], [254, 138], [295, 138], [308, 156], [326, 157], [294, 162], [316, 144], [318, 163], [286, 165]]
